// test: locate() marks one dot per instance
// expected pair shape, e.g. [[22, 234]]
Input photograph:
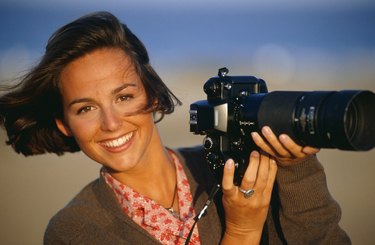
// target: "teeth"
[[118, 142]]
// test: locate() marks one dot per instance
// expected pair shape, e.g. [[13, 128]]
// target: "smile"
[[117, 142]]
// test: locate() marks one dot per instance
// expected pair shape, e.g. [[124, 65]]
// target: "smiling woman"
[[37, 97], [95, 91], [105, 109]]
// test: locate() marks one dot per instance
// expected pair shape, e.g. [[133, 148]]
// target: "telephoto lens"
[[324, 119]]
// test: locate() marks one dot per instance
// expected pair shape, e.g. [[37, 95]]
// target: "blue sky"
[[287, 38]]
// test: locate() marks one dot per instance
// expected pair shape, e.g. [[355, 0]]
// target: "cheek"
[[148, 121], [83, 130], [151, 127]]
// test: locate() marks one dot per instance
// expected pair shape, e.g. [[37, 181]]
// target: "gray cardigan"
[[302, 210]]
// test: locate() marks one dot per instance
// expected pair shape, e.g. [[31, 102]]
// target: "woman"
[[95, 91]]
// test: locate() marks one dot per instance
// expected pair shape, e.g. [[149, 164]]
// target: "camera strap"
[[203, 211]]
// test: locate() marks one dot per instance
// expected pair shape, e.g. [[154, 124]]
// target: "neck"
[[159, 183], [155, 177]]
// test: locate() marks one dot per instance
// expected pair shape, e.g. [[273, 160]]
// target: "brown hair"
[[29, 109]]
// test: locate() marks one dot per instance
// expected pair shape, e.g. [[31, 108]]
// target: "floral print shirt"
[[154, 218]]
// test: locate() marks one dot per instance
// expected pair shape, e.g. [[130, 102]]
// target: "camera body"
[[218, 117], [239, 105]]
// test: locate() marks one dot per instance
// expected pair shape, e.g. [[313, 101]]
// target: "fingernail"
[[282, 137], [255, 154], [253, 134], [229, 164], [266, 130]]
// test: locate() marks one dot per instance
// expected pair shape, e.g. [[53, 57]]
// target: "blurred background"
[[292, 45]]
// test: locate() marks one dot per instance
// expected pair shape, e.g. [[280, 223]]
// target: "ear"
[[63, 127], [155, 104]]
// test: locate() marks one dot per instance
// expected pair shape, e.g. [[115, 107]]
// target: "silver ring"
[[246, 193]]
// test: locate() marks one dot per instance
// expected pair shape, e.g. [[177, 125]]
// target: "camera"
[[239, 105]]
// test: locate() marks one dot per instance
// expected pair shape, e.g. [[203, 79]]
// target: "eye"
[[85, 109], [125, 97]]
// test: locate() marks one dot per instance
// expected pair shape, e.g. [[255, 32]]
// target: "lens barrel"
[[323, 119]]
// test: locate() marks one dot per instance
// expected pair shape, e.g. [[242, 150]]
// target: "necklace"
[[171, 209]]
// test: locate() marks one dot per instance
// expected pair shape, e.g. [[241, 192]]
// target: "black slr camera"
[[239, 105]]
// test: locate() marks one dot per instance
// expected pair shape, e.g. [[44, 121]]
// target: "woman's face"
[[101, 92]]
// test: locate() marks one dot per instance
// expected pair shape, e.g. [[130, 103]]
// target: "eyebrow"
[[115, 91], [123, 86]]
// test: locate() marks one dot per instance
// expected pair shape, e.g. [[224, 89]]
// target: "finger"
[[293, 148], [249, 178], [271, 177], [259, 141], [274, 142], [228, 175], [263, 172], [310, 150]]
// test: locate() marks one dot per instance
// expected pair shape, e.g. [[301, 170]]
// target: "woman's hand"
[[283, 148], [245, 214]]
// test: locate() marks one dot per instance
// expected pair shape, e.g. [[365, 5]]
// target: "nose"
[[111, 120]]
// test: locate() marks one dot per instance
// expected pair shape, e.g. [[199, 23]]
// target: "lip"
[[118, 144]]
